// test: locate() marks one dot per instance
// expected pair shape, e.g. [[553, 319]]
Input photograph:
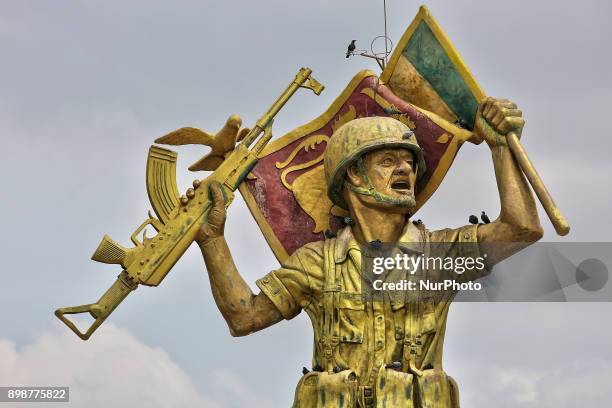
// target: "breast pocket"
[[351, 309], [401, 308]]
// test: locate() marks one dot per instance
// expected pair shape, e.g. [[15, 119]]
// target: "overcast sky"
[[85, 88]]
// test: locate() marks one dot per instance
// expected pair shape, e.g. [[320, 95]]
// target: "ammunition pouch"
[[435, 389], [396, 389], [327, 390], [393, 389]]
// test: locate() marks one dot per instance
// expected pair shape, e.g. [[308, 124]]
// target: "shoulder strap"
[[330, 330], [414, 317]]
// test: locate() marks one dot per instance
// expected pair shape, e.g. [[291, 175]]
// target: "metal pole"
[[385, 14]]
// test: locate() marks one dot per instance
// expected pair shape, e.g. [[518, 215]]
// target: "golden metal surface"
[[161, 182]]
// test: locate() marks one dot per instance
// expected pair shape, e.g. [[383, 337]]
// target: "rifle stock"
[[151, 259]]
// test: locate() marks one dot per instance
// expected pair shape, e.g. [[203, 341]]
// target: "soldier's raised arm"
[[243, 311], [518, 224]]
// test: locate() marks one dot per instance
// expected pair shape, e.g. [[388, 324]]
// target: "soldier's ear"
[[353, 176]]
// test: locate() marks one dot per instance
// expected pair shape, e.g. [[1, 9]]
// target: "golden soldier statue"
[[367, 351], [351, 178]]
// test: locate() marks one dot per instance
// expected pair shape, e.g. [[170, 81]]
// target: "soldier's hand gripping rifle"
[[150, 260]]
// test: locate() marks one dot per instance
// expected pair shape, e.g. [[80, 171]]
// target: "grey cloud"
[[114, 369]]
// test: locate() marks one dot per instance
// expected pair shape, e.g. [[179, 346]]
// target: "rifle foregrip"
[[100, 310]]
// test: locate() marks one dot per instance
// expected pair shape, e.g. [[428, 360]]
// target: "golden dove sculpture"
[[220, 143]]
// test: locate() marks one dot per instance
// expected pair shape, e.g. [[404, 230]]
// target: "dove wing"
[[186, 135]]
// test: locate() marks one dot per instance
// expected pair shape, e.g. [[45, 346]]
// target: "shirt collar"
[[345, 240]]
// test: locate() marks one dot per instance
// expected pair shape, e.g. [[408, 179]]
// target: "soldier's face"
[[391, 172]]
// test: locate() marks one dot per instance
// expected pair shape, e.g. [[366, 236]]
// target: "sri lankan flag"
[[425, 85]]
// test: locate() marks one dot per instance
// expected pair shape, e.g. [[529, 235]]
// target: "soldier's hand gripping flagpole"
[[499, 113], [554, 213]]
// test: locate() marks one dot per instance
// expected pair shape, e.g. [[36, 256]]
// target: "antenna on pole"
[[381, 57]]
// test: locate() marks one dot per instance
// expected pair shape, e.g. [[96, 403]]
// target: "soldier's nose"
[[402, 169]]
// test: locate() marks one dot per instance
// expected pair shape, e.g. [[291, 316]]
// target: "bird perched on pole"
[[350, 49]]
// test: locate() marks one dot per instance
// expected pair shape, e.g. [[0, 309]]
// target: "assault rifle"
[[178, 218]]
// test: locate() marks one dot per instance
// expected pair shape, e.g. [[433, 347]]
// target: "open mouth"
[[401, 186]]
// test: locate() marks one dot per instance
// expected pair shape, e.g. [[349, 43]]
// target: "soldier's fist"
[[496, 118], [215, 223]]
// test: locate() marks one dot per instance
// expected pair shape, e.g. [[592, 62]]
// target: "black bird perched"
[[350, 49], [329, 233], [473, 219], [485, 218], [396, 365], [392, 111], [408, 134], [376, 244]]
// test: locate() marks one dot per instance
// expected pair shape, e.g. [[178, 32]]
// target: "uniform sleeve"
[[461, 244], [290, 287]]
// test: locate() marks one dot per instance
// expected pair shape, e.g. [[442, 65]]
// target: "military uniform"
[[368, 353]]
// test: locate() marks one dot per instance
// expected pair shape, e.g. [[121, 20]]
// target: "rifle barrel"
[[302, 76]]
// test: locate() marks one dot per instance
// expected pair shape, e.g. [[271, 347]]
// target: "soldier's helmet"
[[359, 136]]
